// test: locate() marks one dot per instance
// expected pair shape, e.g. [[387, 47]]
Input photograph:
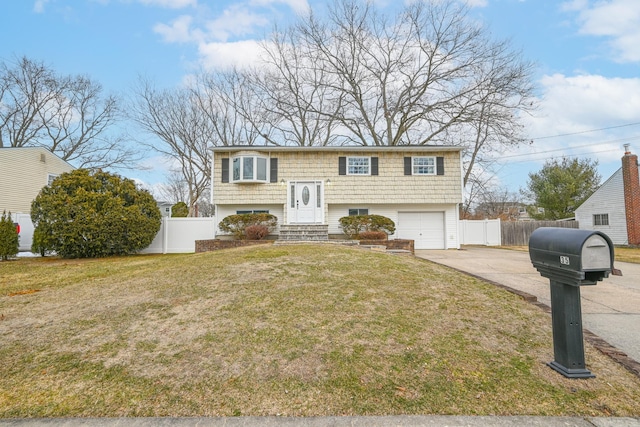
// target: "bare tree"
[[175, 189], [183, 130], [428, 75], [225, 99], [499, 203], [68, 115], [293, 93]]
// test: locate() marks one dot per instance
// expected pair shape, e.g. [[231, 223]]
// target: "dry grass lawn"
[[295, 330]]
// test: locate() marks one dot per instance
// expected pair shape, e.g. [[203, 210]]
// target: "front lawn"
[[291, 330]]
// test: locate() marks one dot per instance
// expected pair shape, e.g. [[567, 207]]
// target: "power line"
[[570, 148], [550, 157], [584, 131]]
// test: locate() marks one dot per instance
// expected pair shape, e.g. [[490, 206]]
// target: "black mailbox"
[[570, 258]]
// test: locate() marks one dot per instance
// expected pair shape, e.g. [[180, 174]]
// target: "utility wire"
[[584, 131], [570, 148]]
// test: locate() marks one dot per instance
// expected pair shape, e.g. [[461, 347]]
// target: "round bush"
[[85, 214], [256, 232], [373, 235]]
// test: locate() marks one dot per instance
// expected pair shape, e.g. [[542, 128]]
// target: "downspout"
[[213, 158], [211, 197]]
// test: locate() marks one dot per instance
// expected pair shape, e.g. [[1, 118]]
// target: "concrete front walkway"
[[611, 309]]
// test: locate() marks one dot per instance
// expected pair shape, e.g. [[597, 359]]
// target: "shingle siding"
[[389, 186], [23, 173], [386, 193]]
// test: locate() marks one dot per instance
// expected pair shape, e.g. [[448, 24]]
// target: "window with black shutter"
[[342, 165], [273, 172], [225, 170]]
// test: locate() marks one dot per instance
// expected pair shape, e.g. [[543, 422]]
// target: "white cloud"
[[236, 20], [573, 105], [618, 20], [298, 6], [226, 55], [38, 6], [170, 4], [178, 31]]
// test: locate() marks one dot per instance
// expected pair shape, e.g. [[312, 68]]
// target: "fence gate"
[[480, 232]]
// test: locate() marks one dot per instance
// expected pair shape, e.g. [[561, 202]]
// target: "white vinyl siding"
[[23, 173], [608, 199]]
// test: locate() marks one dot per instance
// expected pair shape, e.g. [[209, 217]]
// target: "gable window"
[[358, 211], [601, 219], [50, 178], [424, 165], [249, 169]]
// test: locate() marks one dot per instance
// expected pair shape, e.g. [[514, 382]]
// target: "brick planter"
[[397, 244]]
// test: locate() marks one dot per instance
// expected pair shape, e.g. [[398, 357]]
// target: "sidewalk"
[[389, 421]]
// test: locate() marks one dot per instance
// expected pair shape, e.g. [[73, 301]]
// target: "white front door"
[[305, 204]]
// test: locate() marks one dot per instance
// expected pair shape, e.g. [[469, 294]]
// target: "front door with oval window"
[[305, 204]]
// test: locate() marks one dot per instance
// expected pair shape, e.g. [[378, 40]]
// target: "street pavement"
[[610, 309]]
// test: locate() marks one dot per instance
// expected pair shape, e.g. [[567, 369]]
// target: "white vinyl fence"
[[26, 231], [179, 235], [480, 232], [176, 235]]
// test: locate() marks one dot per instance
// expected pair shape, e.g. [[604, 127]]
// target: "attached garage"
[[425, 228]]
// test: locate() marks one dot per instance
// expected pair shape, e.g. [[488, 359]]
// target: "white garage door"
[[425, 228]]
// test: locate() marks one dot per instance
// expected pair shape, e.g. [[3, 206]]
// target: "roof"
[[35, 148], [342, 149]]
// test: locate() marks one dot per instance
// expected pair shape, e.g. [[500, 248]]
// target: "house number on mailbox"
[[564, 260]]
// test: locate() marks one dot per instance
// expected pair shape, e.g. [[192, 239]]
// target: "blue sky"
[[587, 55]]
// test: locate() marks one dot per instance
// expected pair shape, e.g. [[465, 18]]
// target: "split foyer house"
[[418, 187], [23, 173], [614, 208]]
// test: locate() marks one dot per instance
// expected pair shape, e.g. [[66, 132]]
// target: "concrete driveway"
[[611, 309]]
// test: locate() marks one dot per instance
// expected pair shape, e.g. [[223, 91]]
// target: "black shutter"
[[225, 170], [440, 165], [374, 166], [342, 165], [407, 166], [273, 175]]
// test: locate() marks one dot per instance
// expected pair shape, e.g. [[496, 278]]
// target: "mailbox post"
[[570, 258]]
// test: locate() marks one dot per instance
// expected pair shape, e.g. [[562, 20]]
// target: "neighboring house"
[[165, 208], [23, 173], [418, 187], [505, 211], [614, 208]]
